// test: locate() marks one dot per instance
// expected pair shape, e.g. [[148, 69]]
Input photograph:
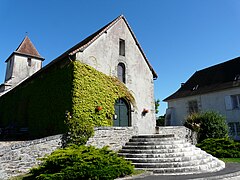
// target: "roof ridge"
[[94, 36], [214, 78], [81, 46], [219, 64]]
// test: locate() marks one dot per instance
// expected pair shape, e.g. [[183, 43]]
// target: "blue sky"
[[178, 37]]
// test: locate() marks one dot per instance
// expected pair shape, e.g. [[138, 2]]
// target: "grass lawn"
[[232, 160]]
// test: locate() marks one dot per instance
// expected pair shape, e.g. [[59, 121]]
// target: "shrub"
[[82, 162], [160, 121], [208, 125], [193, 122], [221, 148]]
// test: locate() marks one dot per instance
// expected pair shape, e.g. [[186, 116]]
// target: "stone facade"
[[114, 137], [103, 55], [23, 69], [18, 157], [21, 64]]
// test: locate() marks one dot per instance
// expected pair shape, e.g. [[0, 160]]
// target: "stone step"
[[166, 154], [163, 155], [155, 136], [146, 143], [165, 146], [157, 151], [170, 140], [172, 164], [184, 170], [165, 160]]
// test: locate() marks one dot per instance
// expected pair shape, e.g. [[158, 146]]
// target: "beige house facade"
[[216, 88]]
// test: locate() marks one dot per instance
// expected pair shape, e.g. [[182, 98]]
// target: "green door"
[[121, 117]]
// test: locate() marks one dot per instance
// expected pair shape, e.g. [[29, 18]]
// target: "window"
[[10, 64], [193, 106], [234, 128], [29, 61], [121, 72], [121, 47], [235, 101]]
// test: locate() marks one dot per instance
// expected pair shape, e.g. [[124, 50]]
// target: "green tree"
[[161, 120], [208, 125], [157, 104]]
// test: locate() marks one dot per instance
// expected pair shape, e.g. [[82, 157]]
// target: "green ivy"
[[92, 89], [41, 102]]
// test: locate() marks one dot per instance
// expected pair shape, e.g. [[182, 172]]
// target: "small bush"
[[208, 125], [193, 122], [221, 148], [160, 121], [82, 162]]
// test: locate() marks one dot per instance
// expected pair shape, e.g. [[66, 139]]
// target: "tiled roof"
[[218, 77], [27, 47]]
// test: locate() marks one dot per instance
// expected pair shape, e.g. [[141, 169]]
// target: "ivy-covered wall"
[[40, 104], [92, 90]]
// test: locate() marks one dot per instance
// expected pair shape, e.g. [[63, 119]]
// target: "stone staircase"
[[168, 155]]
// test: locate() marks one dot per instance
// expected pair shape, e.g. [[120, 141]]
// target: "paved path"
[[231, 172]]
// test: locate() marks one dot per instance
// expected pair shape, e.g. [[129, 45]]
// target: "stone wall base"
[[178, 131], [114, 137]]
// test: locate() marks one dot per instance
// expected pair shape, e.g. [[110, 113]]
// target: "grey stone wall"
[[18, 157], [178, 131], [114, 137]]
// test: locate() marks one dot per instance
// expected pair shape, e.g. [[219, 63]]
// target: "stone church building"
[[112, 50]]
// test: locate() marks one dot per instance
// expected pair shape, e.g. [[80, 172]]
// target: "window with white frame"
[[234, 128], [192, 106], [232, 102], [235, 101]]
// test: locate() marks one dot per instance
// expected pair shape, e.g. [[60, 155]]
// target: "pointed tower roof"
[[26, 47]]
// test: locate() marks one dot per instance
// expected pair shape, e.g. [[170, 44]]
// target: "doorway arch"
[[122, 117]]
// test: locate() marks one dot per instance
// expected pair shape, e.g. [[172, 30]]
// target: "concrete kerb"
[[230, 173], [226, 176], [222, 177]]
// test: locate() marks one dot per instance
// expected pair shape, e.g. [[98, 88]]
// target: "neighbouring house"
[[216, 88], [34, 100]]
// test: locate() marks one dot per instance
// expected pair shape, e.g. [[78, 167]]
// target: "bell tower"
[[21, 64]]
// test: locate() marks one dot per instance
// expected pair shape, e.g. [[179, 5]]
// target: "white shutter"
[[228, 103]]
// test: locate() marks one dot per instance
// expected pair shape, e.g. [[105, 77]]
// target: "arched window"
[[121, 72]]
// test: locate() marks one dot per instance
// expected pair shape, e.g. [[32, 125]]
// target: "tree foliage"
[[157, 104], [208, 125]]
